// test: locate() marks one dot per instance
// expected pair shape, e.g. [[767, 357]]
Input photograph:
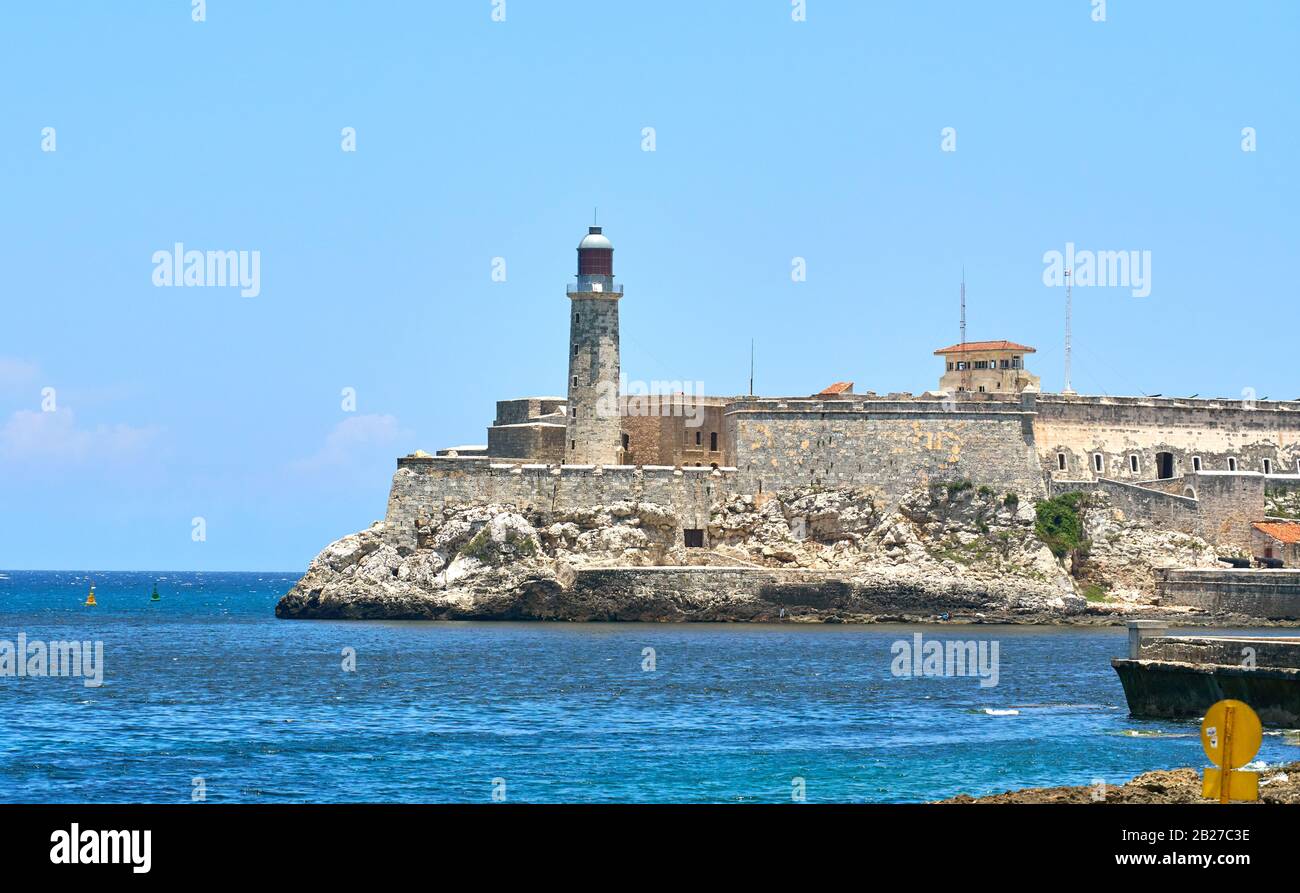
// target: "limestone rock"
[[832, 554]]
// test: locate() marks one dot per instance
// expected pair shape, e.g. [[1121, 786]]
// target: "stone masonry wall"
[[1118, 428], [536, 442], [1219, 509], [1274, 594], [893, 446], [421, 485]]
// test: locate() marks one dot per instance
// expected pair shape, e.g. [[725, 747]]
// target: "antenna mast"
[[751, 367], [965, 361], [1069, 306]]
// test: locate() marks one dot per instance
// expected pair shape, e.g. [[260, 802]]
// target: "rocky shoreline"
[[1276, 785], [947, 553]]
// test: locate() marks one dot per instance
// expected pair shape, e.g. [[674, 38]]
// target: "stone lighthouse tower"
[[595, 424]]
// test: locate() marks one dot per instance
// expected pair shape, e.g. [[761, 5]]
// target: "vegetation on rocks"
[[1282, 503], [1059, 523]]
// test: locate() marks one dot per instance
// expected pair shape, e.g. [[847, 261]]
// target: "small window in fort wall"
[[625, 441], [1098, 463], [1134, 465], [713, 441], [1060, 461], [1196, 463], [693, 537], [698, 435], [1268, 466], [1232, 463]]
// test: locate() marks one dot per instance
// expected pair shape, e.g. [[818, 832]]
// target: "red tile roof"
[[985, 345], [1282, 531], [840, 387]]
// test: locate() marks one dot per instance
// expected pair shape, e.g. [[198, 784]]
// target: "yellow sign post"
[[1231, 734]]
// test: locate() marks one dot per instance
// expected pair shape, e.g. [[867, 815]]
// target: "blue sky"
[[476, 139]]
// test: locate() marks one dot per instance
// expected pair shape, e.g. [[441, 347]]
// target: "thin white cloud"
[[354, 439], [31, 435]]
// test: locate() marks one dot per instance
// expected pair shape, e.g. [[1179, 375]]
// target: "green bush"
[[1059, 524]]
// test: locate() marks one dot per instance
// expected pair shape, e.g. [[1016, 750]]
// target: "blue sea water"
[[207, 683]]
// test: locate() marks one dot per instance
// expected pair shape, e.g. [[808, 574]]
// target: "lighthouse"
[[594, 429]]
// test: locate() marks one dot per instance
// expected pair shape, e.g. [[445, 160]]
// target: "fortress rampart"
[[425, 484], [1216, 506], [892, 445], [1197, 466], [1198, 435]]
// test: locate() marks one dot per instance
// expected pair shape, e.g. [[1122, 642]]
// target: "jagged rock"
[[947, 548]]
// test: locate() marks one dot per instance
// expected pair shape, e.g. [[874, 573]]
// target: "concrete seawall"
[[1269, 594]]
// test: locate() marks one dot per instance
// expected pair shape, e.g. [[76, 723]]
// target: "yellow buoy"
[[1230, 735], [90, 599]]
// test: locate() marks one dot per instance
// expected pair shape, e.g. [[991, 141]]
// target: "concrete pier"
[[1180, 677]]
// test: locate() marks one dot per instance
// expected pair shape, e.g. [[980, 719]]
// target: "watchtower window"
[[1060, 461], [1232, 464], [1196, 463], [1098, 463], [697, 438], [1133, 463], [575, 381], [713, 444], [625, 441], [1268, 466], [693, 537]]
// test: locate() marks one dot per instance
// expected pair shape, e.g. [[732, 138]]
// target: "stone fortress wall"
[[1030, 444], [1220, 512], [424, 484], [890, 445], [1224, 435]]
